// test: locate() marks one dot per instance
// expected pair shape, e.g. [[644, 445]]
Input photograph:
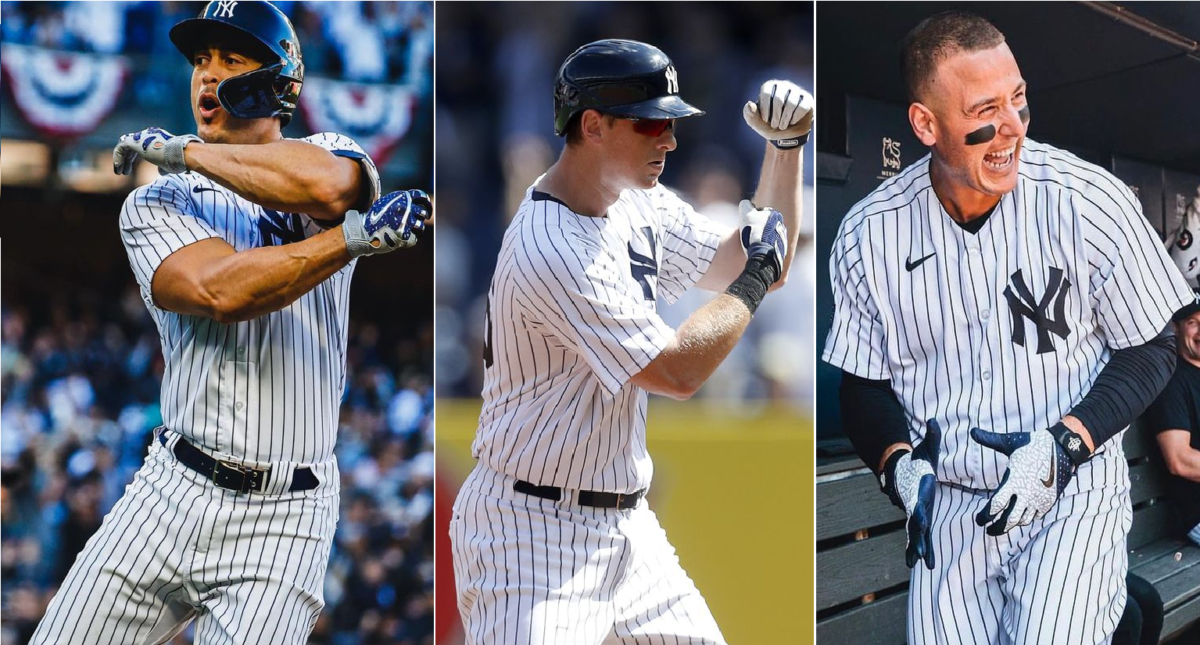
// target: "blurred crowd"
[[495, 77], [79, 403], [369, 42]]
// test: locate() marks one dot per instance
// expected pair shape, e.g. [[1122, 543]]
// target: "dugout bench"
[[862, 582]]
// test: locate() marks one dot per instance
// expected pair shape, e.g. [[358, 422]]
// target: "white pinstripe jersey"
[[266, 389], [571, 318], [1007, 328]]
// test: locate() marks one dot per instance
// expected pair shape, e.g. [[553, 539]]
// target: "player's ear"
[[591, 125], [922, 120]]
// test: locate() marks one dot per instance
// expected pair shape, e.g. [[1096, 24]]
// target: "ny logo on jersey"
[[284, 227], [645, 267], [225, 9], [1022, 304], [672, 80]]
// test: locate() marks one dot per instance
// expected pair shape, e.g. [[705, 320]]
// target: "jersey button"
[[241, 351], [239, 405], [987, 375], [985, 314]]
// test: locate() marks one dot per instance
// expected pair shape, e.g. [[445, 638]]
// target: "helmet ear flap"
[[566, 106], [251, 95]]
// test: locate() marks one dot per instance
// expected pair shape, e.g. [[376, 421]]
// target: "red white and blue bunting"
[[376, 116], [62, 94]]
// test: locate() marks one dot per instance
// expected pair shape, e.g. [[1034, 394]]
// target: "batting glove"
[[783, 114], [1040, 465], [155, 145], [391, 223], [908, 479], [763, 234]]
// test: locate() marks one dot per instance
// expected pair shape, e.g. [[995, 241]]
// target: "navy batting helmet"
[[271, 90], [618, 77]]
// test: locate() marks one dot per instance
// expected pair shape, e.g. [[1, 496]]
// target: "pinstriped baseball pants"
[[1058, 581], [248, 568], [535, 571]]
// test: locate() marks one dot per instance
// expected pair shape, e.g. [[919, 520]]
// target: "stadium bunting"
[[376, 116], [62, 94]]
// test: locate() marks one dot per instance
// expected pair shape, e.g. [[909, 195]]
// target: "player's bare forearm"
[[780, 187], [210, 279], [699, 346], [288, 176]]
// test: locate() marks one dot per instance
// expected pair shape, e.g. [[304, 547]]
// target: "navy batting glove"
[[391, 223], [1039, 469], [763, 234], [910, 482]]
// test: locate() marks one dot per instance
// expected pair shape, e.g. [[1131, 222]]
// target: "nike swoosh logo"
[[909, 265], [378, 215], [1049, 480], [200, 189]]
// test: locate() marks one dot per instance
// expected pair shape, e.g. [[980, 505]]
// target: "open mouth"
[[209, 105], [1000, 159]]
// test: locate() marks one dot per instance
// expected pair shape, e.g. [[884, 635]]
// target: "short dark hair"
[[935, 38]]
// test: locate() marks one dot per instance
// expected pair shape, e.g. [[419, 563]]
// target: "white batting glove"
[[1039, 469], [783, 114], [763, 233], [155, 145], [391, 223]]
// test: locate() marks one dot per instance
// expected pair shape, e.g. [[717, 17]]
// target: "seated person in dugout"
[[1175, 419]]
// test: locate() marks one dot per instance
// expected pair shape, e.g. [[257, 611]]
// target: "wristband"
[[1071, 443], [751, 286], [889, 469], [788, 144]]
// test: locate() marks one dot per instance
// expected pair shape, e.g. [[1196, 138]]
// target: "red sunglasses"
[[652, 127]]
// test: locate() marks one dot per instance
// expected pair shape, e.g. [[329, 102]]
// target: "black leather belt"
[[598, 499], [231, 476]]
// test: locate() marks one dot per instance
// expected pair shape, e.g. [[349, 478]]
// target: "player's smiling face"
[[213, 124], [978, 125]]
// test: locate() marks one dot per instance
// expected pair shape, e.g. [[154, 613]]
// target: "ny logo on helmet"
[[225, 9], [672, 80]]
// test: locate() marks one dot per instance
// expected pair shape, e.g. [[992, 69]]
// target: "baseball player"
[[243, 252], [1001, 313], [553, 539]]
